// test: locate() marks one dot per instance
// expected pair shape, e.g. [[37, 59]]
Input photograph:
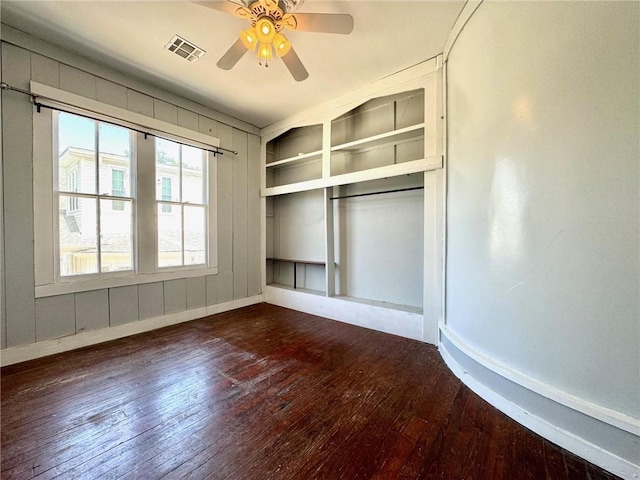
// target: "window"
[[122, 214], [181, 194], [91, 237]]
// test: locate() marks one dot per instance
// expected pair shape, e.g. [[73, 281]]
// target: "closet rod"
[[34, 101], [376, 193]]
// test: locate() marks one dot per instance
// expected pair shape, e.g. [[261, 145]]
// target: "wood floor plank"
[[262, 393]]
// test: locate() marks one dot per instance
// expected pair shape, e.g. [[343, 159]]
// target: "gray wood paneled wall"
[[27, 319]]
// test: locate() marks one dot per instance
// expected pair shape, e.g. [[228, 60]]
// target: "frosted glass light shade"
[[281, 44], [265, 30], [265, 52], [249, 39]]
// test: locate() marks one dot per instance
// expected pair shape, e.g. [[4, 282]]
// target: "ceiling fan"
[[267, 19]]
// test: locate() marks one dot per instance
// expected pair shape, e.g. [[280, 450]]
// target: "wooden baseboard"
[[31, 351]]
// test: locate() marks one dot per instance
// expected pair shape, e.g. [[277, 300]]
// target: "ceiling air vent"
[[184, 48]]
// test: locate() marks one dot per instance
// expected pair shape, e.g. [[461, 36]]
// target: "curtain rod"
[[377, 193], [38, 105]]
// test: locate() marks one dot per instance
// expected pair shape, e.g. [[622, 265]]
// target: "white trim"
[[565, 439], [57, 98], [606, 415], [80, 284], [465, 15], [3, 318], [31, 351], [445, 184], [388, 320]]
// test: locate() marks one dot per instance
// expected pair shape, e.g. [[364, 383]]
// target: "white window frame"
[[48, 283], [182, 203], [97, 196]]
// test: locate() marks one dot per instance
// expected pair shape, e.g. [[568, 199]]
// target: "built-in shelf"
[[295, 264], [376, 303], [393, 137], [298, 290], [399, 169], [297, 158], [294, 156], [372, 248], [289, 260]]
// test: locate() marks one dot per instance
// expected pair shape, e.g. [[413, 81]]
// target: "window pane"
[[76, 154], [169, 235], [193, 162], [115, 146], [194, 235], [78, 240], [167, 167], [116, 242]]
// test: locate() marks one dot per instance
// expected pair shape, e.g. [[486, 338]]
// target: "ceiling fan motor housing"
[[287, 6]]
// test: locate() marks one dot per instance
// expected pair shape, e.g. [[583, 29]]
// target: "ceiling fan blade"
[[230, 7], [295, 66], [232, 56], [324, 22]]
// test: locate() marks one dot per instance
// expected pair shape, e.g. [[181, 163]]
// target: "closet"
[[353, 206]]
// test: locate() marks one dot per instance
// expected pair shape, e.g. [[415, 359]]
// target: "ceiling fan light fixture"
[[281, 44], [268, 18], [265, 30], [249, 39], [265, 53]]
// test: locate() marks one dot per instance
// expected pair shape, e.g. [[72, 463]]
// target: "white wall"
[[30, 319], [543, 209]]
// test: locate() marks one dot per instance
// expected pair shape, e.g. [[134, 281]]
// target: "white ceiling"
[[130, 36]]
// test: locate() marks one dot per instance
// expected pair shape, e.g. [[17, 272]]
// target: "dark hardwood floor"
[[261, 393]]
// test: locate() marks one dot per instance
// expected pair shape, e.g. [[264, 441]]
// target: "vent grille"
[[185, 49]]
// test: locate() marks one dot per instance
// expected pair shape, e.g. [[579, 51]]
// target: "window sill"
[[118, 280]]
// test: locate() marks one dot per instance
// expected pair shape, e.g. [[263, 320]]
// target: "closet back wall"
[[379, 241]]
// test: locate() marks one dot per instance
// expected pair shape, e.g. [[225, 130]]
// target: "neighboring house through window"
[[117, 188], [182, 198], [92, 239], [72, 183], [166, 194]]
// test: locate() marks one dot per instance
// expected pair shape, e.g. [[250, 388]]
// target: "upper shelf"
[[295, 144], [381, 137], [386, 138], [299, 157]]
